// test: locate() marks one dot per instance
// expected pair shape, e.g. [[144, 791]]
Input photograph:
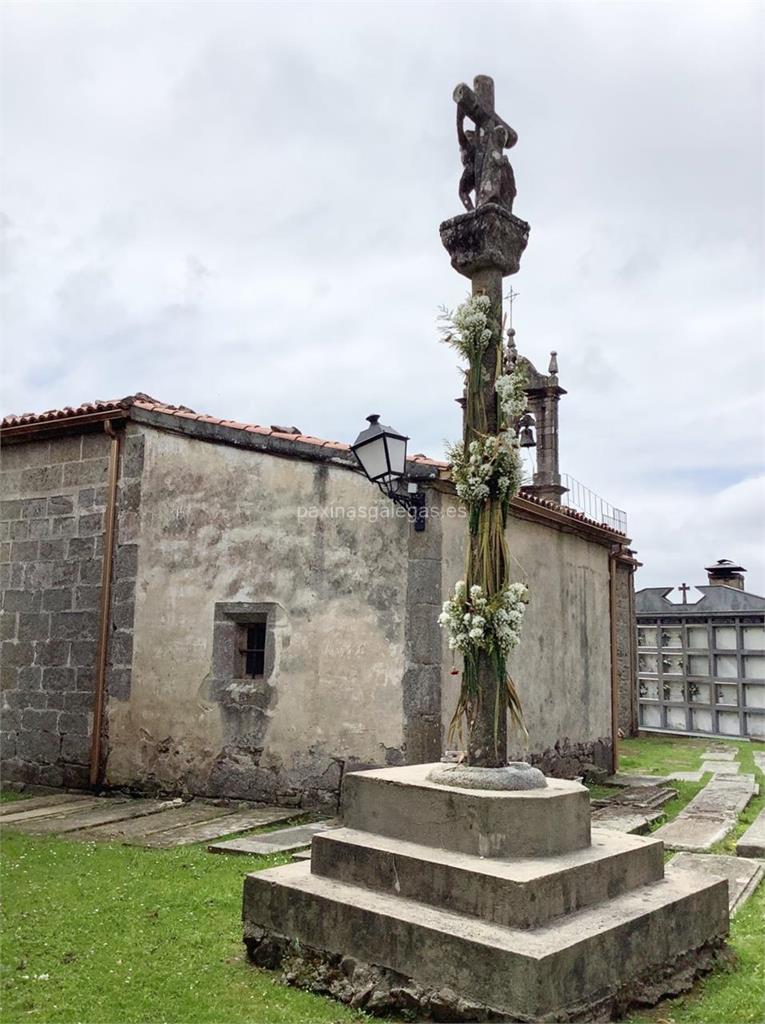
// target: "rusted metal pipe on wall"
[[105, 604]]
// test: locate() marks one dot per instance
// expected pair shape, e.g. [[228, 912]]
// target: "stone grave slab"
[[686, 776], [285, 840], [624, 779], [35, 803], [721, 767], [19, 819], [77, 818], [136, 829], [743, 875], [752, 842], [695, 832], [625, 819], [719, 755], [759, 759], [710, 816], [301, 855], [638, 797], [241, 821]]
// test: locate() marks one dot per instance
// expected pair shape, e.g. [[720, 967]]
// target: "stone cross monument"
[[485, 244], [464, 902]]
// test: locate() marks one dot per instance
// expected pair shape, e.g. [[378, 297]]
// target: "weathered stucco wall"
[[218, 525], [562, 666], [211, 536]]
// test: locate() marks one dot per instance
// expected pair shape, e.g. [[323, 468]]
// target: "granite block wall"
[[51, 525], [51, 562]]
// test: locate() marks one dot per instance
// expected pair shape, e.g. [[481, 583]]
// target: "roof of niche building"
[[713, 600]]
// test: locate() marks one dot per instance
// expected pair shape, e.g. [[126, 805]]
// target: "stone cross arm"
[[482, 113]]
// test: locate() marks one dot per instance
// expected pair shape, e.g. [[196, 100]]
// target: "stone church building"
[[197, 606]]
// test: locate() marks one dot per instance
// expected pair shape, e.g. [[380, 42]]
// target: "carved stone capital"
[[489, 238]]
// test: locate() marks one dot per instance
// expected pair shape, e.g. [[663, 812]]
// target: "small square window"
[[253, 648]]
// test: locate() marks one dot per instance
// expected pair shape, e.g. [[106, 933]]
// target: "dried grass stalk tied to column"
[[484, 616]]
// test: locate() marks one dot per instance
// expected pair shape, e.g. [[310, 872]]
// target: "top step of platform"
[[402, 803]]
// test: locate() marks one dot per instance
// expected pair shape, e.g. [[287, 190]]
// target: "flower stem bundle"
[[484, 616]]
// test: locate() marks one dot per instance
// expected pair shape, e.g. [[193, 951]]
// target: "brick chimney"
[[725, 573]]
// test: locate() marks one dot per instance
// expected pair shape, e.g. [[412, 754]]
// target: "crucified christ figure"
[[486, 170]]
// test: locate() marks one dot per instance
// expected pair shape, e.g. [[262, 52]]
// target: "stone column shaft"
[[484, 748]]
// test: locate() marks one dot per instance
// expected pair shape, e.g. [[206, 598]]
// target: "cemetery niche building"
[[701, 664], [268, 625]]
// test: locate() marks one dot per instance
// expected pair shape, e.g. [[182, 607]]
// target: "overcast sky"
[[235, 207]]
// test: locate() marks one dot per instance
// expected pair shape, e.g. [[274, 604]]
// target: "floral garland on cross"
[[484, 616]]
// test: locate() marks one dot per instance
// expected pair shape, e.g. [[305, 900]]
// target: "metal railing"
[[592, 505]]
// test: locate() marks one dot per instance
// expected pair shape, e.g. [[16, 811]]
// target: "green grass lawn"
[[735, 995], [727, 996], [108, 934], [8, 795]]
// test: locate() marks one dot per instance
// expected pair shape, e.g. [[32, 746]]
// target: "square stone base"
[[387, 922]]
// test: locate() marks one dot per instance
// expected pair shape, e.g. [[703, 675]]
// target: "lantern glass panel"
[[397, 453], [372, 458]]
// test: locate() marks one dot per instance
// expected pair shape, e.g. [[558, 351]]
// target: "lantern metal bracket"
[[413, 501]]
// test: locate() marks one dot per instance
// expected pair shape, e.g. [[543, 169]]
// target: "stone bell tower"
[[544, 393]]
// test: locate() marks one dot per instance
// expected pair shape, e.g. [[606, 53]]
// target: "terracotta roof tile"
[[149, 404]]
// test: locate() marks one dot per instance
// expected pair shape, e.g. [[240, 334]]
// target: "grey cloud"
[[236, 206]]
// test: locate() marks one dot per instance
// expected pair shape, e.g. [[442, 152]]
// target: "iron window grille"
[[253, 649]]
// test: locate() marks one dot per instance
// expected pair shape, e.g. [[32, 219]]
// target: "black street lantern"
[[381, 453]]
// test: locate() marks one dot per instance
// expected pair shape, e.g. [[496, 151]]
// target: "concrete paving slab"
[[752, 842], [721, 767], [136, 829], [241, 821], [34, 803], [743, 875], [625, 819], [284, 840], [106, 810], [19, 817]]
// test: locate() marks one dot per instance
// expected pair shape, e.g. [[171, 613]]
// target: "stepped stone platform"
[[458, 904]]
